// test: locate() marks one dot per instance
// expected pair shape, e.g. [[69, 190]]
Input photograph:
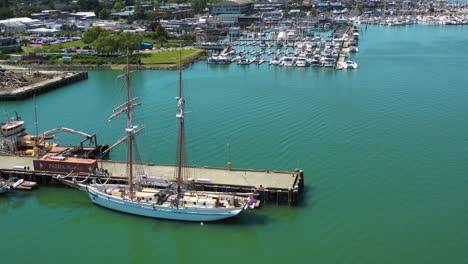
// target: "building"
[[272, 16], [14, 26], [18, 24], [8, 45], [122, 15], [233, 7], [270, 6]]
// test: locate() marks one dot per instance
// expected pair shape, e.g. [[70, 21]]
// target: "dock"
[[274, 187], [43, 86]]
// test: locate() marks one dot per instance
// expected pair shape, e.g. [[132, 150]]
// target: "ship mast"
[[181, 140], [129, 130]]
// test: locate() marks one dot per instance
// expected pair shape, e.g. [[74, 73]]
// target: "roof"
[[236, 1], [85, 14], [242, 1], [43, 30], [13, 24], [18, 19], [124, 13]]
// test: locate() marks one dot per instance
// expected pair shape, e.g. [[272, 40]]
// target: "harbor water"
[[384, 149]]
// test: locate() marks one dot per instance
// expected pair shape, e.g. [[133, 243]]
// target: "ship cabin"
[[199, 202]]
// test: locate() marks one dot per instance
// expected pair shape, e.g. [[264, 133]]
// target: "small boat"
[[8, 185], [349, 64], [353, 49], [274, 61], [243, 61], [255, 59], [328, 61], [315, 61], [301, 62], [287, 61]]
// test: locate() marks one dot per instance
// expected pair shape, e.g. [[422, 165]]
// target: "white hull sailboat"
[[150, 203], [173, 202]]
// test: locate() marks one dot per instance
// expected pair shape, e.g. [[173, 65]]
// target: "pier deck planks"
[[239, 177]]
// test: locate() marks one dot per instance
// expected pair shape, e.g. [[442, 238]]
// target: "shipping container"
[[66, 165]]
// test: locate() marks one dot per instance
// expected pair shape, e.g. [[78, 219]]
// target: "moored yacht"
[[274, 61], [349, 64], [287, 61], [301, 62]]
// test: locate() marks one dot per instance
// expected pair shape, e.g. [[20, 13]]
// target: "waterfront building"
[[233, 7]]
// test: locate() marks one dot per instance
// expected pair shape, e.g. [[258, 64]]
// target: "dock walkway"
[[273, 186]]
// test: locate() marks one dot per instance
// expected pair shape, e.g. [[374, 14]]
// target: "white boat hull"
[[172, 213]]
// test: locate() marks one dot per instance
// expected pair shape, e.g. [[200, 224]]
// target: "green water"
[[384, 150]]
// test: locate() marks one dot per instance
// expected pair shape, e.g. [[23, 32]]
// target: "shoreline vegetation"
[[99, 48], [159, 59]]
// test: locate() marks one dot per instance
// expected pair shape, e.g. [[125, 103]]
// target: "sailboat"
[[174, 202]]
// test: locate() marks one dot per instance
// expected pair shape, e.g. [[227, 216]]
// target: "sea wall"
[[42, 87]]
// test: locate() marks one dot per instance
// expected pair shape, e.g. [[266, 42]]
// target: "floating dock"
[[274, 187]]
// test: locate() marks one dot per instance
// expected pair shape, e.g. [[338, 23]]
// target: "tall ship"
[[175, 201]]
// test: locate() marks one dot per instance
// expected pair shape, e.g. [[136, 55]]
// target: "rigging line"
[[139, 169], [105, 122]]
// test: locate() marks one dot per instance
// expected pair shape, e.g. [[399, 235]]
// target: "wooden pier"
[[274, 187]]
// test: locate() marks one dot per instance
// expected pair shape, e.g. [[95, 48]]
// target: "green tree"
[[139, 13], [118, 6], [129, 41], [93, 34], [199, 5], [106, 45], [87, 5], [6, 12], [104, 13], [129, 2]]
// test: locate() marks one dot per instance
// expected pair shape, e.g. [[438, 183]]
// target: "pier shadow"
[[307, 200]]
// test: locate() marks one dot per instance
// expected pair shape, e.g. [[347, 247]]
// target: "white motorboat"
[[243, 61], [274, 61], [349, 64], [301, 62], [287, 61]]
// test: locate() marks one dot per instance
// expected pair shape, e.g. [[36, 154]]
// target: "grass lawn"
[[169, 57]]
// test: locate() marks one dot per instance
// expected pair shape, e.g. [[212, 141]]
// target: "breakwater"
[[43, 86]]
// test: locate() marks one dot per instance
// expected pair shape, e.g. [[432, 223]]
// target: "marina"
[[290, 48]]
